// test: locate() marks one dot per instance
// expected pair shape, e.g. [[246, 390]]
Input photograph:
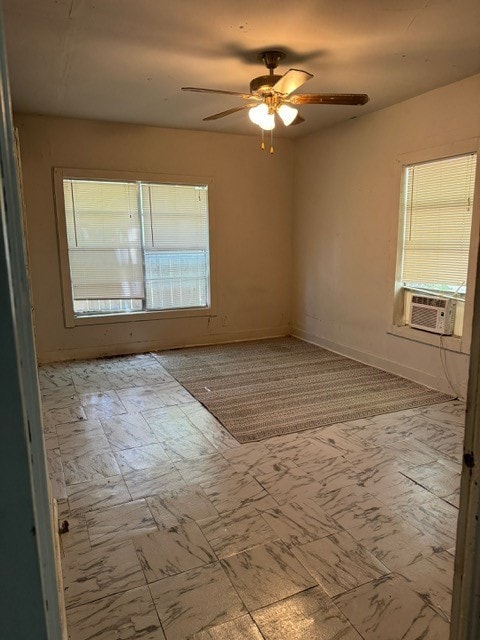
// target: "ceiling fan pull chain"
[[271, 140], [262, 146]]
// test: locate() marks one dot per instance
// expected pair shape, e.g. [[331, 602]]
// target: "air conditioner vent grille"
[[424, 316], [431, 302]]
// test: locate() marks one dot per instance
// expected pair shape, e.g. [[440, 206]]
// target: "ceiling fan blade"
[[291, 80], [222, 114], [298, 120], [245, 96], [329, 98]]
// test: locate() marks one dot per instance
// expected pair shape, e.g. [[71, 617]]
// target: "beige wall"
[[252, 200], [345, 226]]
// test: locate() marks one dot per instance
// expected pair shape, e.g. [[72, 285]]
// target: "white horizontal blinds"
[[175, 221], [104, 239], [437, 205]]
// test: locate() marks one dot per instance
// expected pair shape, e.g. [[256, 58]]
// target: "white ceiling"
[[125, 60]]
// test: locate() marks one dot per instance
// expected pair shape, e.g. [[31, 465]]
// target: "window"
[[136, 246], [435, 227], [437, 207]]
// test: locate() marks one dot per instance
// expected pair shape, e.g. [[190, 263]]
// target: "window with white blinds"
[[437, 202], [137, 246]]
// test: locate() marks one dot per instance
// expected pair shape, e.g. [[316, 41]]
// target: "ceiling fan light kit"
[[262, 116], [272, 96], [287, 114]]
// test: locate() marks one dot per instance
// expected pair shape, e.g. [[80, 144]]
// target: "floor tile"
[[90, 467], [289, 484], [59, 398], [434, 517], [432, 578], [440, 478], [338, 563], [63, 508], [153, 480], [189, 443], [91, 381], [243, 628], [211, 428], [359, 431], [236, 491], [97, 494], [195, 600], [52, 417], [399, 424], [449, 413], [101, 572], [131, 376], [377, 436], [129, 615], [454, 498], [370, 467], [79, 438], [128, 431], [121, 522], [52, 376], [353, 426], [102, 404], [443, 438], [171, 424], [56, 474], [246, 458], [395, 543], [411, 451], [188, 502], [271, 464], [309, 615], [205, 469], [396, 490], [267, 573], [74, 541], [167, 421], [353, 506], [150, 455], [236, 531], [87, 366], [330, 474], [300, 522], [50, 439], [387, 609], [303, 449], [154, 396], [282, 445], [173, 549], [330, 435]]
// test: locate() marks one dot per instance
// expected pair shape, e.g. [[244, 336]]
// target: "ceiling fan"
[[272, 95]]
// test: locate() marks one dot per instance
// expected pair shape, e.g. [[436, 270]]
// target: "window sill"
[[139, 316], [448, 343]]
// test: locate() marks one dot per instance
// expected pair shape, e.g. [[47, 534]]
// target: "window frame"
[[70, 318], [398, 326]]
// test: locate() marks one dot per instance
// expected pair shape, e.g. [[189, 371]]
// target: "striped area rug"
[[273, 387]]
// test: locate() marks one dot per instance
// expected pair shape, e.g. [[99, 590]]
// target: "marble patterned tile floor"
[[178, 532]]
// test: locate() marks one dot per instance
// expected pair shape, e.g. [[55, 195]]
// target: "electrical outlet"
[[224, 320]]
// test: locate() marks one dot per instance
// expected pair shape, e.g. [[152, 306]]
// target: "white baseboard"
[[434, 382], [100, 351]]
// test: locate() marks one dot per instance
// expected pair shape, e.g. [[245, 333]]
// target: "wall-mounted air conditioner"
[[433, 314]]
